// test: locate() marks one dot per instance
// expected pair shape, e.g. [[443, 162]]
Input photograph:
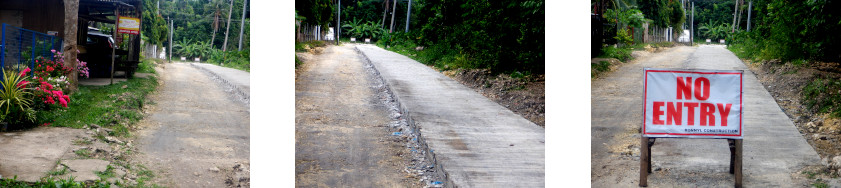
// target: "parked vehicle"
[[97, 51]]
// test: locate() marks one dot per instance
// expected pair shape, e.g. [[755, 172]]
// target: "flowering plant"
[[50, 79]]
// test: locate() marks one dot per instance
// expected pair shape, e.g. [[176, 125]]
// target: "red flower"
[[22, 83], [62, 101], [23, 73]]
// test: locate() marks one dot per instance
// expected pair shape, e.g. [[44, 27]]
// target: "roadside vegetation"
[[618, 26], [203, 30], [797, 33], [116, 106], [793, 50]]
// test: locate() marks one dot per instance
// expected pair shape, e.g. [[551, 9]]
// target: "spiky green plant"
[[15, 95]]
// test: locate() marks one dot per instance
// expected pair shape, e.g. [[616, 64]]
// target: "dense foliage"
[[791, 30], [500, 35], [316, 12], [714, 19], [195, 21], [663, 13], [155, 30], [504, 36]]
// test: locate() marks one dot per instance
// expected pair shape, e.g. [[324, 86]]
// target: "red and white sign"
[[693, 103], [129, 25]]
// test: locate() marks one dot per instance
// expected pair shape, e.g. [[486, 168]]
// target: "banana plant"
[[355, 28]]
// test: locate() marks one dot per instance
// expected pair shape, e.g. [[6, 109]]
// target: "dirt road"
[[196, 131], [341, 134], [774, 149]]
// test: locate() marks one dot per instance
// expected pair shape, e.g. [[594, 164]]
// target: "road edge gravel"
[[439, 176], [238, 92]]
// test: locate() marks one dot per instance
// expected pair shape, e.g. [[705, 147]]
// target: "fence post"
[[52, 39], [32, 52], [2, 44]]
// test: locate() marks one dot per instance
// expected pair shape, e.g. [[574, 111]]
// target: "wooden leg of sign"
[[732, 145], [644, 161], [650, 143], [738, 164]]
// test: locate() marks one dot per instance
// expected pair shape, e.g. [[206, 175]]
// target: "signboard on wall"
[[693, 103], [129, 25]]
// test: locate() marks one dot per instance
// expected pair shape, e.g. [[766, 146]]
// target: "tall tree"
[[231, 11], [70, 49], [242, 24]]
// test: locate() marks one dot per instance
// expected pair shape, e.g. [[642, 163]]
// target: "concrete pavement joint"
[[416, 142], [238, 92]]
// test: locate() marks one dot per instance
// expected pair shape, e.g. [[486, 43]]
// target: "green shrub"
[[238, 59], [623, 54], [821, 95], [15, 99]]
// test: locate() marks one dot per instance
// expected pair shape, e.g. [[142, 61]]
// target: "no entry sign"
[[693, 103]]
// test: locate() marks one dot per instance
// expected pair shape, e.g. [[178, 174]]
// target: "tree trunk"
[[230, 11], [242, 25], [71, 19], [393, 10], [385, 12], [735, 5], [739, 18], [215, 26]]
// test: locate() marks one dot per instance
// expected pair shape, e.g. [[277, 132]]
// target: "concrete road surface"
[[774, 151], [478, 142]]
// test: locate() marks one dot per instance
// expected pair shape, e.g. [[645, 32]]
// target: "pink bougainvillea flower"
[[47, 85], [25, 71], [23, 83], [62, 101], [53, 50]]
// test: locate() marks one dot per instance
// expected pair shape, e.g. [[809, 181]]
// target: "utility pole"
[[692, 26], [750, 7], [393, 10], [242, 24], [408, 14], [230, 11], [171, 27], [338, 21], [385, 12]]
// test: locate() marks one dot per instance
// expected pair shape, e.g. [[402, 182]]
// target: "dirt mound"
[[524, 96], [785, 82]]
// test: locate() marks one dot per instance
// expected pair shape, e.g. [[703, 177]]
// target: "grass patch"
[[621, 53], [58, 172], [108, 173], [143, 175], [820, 183], [297, 62], [109, 106], [598, 68], [80, 142], [84, 153], [51, 183], [302, 46], [146, 66], [821, 95]]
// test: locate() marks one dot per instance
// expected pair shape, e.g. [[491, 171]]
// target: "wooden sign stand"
[[645, 159]]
